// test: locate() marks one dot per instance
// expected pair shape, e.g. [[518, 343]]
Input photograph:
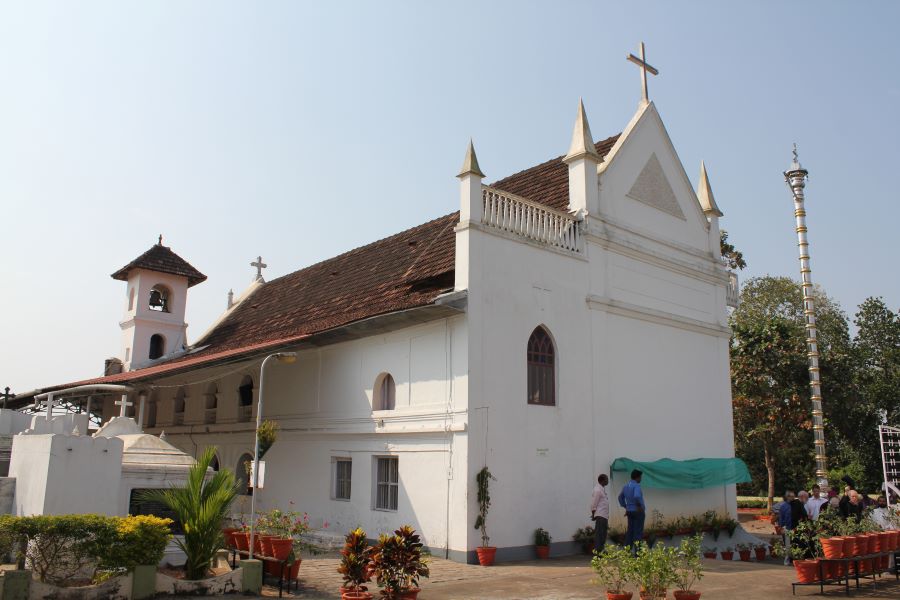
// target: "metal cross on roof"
[[124, 404], [644, 66], [260, 265]]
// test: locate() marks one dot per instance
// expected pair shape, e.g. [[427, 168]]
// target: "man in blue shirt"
[[632, 500], [786, 522]]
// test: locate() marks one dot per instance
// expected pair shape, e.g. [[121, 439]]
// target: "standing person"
[[814, 504], [600, 512], [632, 500], [785, 522]]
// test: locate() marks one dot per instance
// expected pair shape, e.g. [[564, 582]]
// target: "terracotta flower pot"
[[266, 544], [543, 552], [686, 595], [859, 545], [281, 547], [410, 594], [833, 547], [351, 595], [807, 571], [618, 595], [295, 569], [229, 532], [242, 540], [486, 555], [710, 554], [727, 555], [760, 554], [745, 555]]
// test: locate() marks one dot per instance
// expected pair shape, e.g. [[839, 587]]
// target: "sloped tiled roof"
[[161, 259], [548, 182], [404, 271]]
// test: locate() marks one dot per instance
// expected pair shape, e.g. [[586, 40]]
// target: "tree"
[[770, 380], [733, 257], [201, 506]]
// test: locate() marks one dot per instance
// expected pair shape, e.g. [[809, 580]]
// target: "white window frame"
[[334, 478], [376, 460]]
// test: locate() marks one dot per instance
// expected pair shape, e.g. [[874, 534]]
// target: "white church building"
[[567, 315]]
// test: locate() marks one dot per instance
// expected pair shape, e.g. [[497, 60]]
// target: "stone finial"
[[230, 298], [162, 435], [582, 140], [470, 163], [705, 195]]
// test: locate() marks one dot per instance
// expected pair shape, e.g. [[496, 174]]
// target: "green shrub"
[[61, 548]]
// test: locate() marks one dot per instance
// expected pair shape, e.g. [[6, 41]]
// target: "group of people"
[[631, 498], [804, 506]]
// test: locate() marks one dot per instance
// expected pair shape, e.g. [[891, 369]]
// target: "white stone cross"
[[49, 404], [124, 404], [645, 66], [260, 265]]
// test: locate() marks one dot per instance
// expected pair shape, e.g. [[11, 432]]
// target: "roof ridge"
[[558, 159]]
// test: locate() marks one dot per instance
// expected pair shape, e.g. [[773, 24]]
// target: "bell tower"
[[155, 300]]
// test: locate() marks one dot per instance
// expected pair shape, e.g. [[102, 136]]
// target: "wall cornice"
[[634, 311]]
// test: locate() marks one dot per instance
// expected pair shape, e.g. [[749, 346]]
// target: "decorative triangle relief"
[[653, 189]]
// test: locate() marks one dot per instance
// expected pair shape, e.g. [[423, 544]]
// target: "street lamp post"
[[284, 357]]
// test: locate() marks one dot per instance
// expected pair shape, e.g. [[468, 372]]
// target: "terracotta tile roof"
[[407, 270], [548, 182], [161, 259]]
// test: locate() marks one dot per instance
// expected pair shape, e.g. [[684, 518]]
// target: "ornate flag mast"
[[796, 180]]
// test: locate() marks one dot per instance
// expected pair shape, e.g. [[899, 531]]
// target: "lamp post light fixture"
[[282, 357]]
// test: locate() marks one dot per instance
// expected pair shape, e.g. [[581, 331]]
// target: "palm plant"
[[202, 506]]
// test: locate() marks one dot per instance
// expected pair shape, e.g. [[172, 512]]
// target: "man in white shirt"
[[814, 505], [600, 512]]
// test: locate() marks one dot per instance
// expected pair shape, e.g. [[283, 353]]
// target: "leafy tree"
[[770, 380], [733, 257], [201, 506]]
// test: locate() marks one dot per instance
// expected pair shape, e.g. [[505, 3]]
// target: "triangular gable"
[[653, 189]]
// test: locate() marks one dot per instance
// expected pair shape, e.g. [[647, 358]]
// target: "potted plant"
[[398, 563], [585, 537], [542, 543], [614, 569], [654, 570], [744, 552], [760, 551], [709, 552], [355, 567], [485, 552], [688, 568], [727, 553]]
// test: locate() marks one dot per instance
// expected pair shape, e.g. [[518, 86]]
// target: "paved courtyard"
[[570, 578]]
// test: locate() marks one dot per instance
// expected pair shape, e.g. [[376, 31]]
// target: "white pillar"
[[471, 205]]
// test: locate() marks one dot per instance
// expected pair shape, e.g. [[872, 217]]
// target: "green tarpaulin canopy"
[[686, 474]]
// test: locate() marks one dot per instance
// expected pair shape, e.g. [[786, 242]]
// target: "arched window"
[[157, 346], [212, 403], [178, 408], [160, 299], [242, 473], [384, 394], [131, 299], [541, 358], [245, 399], [214, 463]]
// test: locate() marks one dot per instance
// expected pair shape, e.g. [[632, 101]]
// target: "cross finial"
[[159, 243], [260, 265], [644, 66], [123, 404]]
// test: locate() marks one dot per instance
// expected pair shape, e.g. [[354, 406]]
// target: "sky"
[[299, 130]]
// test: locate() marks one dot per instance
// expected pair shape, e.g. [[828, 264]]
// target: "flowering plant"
[[290, 525]]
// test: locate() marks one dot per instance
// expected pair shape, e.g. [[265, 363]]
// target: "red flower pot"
[[807, 571], [709, 554], [617, 596], [266, 541], [229, 532], [833, 547], [281, 547], [543, 552], [727, 555], [745, 555], [410, 594], [760, 554], [242, 540], [295, 569], [683, 595], [356, 596], [486, 555]]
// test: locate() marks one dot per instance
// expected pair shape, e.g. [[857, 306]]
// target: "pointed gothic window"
[[541, 358], [157, 346], [384, 393]]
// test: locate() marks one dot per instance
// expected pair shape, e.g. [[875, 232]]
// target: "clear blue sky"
[[299, 130]]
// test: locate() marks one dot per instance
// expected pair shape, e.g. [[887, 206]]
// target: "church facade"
[[567, 315]]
